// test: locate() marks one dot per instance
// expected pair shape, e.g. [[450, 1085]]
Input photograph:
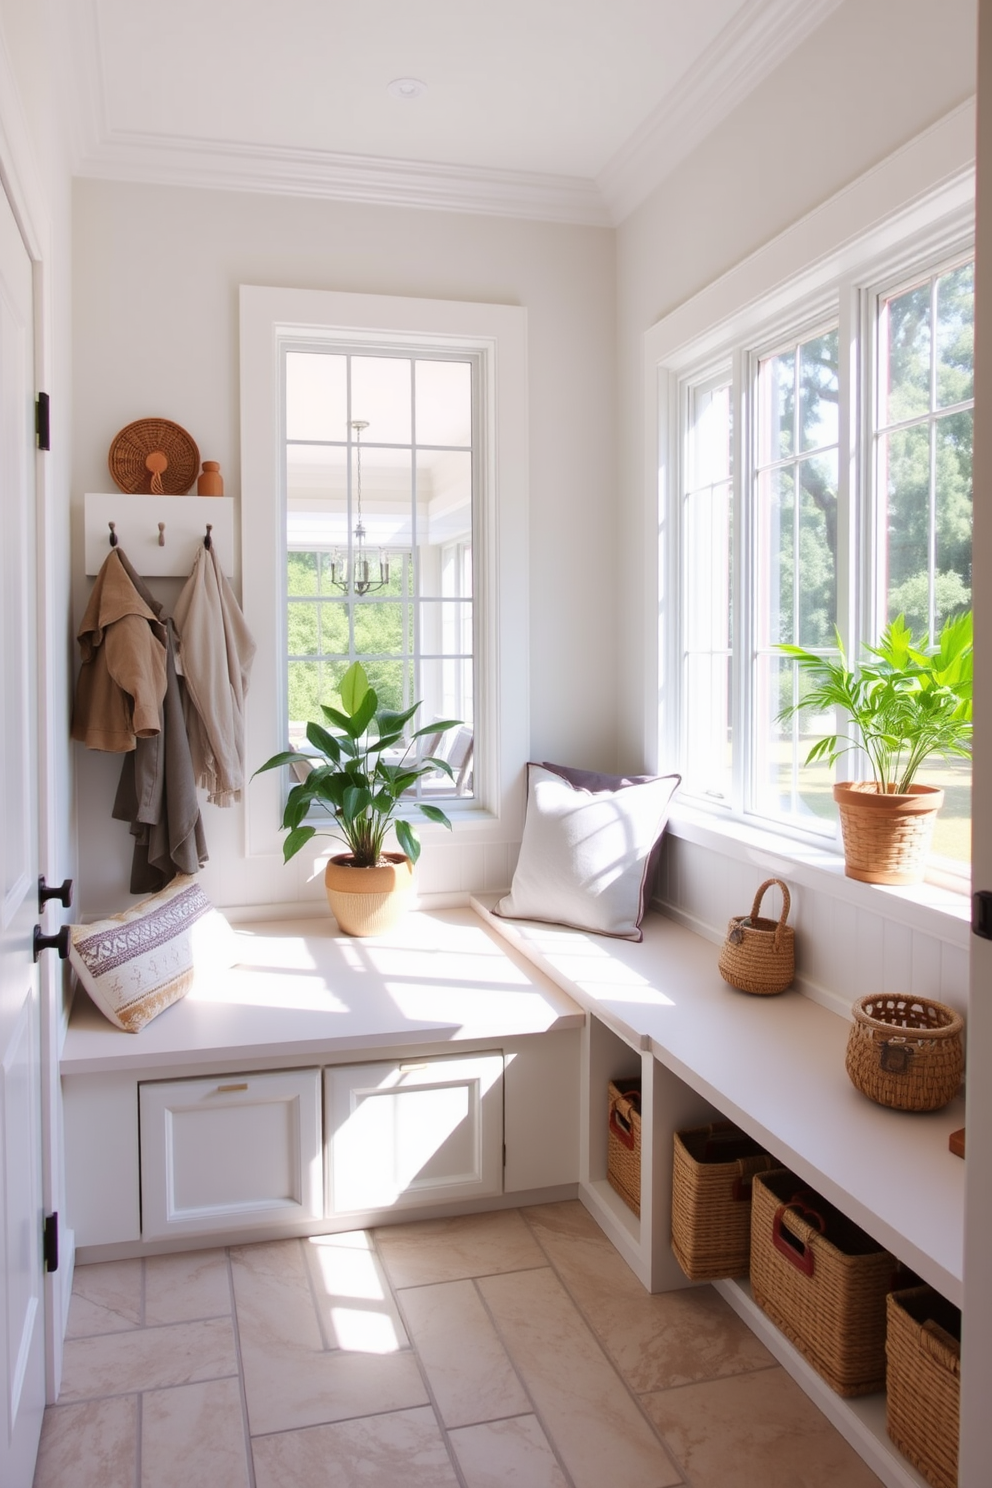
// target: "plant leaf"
[[325, 742], [435, 814], [354, 686], [285, 757], [408, 840], [299, 837]]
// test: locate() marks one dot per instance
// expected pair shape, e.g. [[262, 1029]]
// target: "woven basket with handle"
[[923, 1385], [712, 1170], [758, 954], [822, 1281], [905, 1052]]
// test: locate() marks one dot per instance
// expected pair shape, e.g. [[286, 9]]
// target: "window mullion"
[[741, 663]]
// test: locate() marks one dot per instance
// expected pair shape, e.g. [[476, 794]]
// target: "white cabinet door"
[[234, 1152], [416, 1132]]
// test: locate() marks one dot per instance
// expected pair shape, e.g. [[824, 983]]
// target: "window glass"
[[923, 485], [794, 593], [379, 465]]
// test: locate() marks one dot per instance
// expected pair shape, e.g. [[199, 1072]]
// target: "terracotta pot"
[[886, 836], [368, 901]]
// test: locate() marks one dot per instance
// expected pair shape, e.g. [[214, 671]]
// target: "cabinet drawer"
[[230, 1152], [414, 1132]]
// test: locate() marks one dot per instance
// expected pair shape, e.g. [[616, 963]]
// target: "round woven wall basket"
[[905, 1052], [154, 455]]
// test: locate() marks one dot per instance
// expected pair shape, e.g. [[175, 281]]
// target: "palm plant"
[[911, 702], [354, 781]]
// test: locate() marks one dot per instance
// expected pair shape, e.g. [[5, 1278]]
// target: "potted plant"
[[907, 702], [359, 776]]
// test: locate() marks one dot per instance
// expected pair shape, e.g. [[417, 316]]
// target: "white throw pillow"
[[585, 854], [136, 964]]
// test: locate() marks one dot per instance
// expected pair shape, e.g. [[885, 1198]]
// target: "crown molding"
[[747, 50], [225, 165]]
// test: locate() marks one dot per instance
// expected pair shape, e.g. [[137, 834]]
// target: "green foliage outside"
[[326, 630]]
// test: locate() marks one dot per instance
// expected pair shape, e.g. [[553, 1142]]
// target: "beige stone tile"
[[469, 1373], [596, 1426], [355, 1307], [291, 1378], [507, 1454], [106, 1298], [755, 1431], [452, 1249], [405, 1448], [148, 1359], [182, 1287], [656, 1341], [93, 1445], [194, 1437]]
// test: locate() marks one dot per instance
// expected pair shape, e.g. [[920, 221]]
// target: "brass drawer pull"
[[223, 1089]]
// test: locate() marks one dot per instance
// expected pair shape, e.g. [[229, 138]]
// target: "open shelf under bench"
[[775, 1066]]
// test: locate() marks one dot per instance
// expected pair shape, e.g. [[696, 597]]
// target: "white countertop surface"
[[303, 990]]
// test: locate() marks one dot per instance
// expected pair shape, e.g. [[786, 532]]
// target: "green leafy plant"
[[907, 702], [352, 778]]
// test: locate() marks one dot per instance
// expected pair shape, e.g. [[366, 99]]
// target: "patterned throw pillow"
[[588, 849], [136, 964]]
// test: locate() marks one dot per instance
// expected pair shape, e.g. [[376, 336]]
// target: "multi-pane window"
[[380, 474], [707, 584], [794, 520], [828, 524], [924, 400]]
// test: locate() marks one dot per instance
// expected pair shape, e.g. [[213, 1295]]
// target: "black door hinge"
[[50, 1242], [42, 421], [981, 914]]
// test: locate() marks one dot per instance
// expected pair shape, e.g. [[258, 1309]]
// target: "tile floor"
[[513, 1348]]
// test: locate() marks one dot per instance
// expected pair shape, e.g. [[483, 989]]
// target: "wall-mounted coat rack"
[[159, 534]]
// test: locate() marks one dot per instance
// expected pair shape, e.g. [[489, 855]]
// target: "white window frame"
[[919, 205], [272, 318]]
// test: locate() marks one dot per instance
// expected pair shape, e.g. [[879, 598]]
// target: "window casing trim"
[[272, 318]]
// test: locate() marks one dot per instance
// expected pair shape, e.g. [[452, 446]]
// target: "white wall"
[[155, 332], [876, 75]]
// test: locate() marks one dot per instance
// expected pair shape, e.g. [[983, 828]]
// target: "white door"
[[22, 1362]]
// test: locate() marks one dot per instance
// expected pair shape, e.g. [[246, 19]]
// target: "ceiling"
[[568, 110]]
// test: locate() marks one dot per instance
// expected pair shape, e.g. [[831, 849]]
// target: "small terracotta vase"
[[368, 901], [211, 482]]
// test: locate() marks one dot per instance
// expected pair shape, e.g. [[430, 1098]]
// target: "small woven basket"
[[623, 1158], [759, 955], [905, 1052], [822, 1281], [711, 1199], [136, 444], [923, 1348]]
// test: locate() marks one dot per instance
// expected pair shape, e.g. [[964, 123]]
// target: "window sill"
[[933, 908]]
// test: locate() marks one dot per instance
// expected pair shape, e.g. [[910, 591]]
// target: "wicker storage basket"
[[711, 1199], [924, 1382], [623, 1162], [905, 1052], [758, 955], [822, 1281]]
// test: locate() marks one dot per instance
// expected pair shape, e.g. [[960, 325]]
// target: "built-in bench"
[[276, 1101]]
